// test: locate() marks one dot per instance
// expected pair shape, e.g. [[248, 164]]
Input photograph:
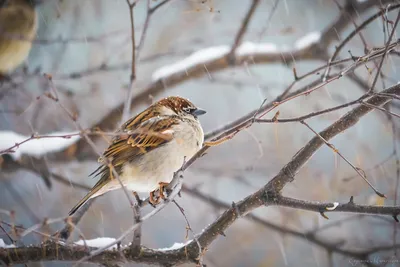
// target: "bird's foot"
[[154, 200], [163, 189]]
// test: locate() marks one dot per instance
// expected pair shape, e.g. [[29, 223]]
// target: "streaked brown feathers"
[[132, 143]]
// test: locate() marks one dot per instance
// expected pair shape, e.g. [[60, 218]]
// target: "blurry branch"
[[127, 106], [8, 165], [154, 8], [378, 71], [242, 30], [136, 52], [265, 28], [104, 67], [312, 51], [18, 198], [270, 194], [133, 62], [150, 11], [86, 39]]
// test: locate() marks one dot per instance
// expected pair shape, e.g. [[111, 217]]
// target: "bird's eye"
[[188, 109]]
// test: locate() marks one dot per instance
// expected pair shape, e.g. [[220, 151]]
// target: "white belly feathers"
[[159, 165]]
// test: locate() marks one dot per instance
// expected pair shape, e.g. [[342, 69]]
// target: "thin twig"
[[127, 106], [242, 30], [384, 54], [334, 149], [189, 228], [265, 28]]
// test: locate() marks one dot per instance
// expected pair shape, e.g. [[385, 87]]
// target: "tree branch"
[[335, 207]]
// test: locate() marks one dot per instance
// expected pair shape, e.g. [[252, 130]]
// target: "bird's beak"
[[198, 112]]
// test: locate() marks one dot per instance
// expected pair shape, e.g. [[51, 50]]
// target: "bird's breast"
[[159, 165]]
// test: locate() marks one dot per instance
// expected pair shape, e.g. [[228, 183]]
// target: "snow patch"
[[335, 204], [175, 246], [4, 245], [249, 48], [307, 40], [97, 243], [35, 147], [198, 57]]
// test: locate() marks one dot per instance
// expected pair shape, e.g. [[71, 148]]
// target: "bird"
[[18, 27], [148, 149]]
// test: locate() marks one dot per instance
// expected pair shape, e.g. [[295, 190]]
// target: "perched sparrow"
[[149, 148], [18, 25]]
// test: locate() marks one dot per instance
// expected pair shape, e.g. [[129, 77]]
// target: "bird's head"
[[175, 105]]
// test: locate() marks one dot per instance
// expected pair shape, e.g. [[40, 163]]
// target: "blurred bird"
[[18, 25], [149, 148]]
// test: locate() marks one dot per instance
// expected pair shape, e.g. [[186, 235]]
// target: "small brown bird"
[[149, 148], [18, 26]]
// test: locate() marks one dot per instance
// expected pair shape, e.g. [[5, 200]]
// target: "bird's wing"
[[136, 139]]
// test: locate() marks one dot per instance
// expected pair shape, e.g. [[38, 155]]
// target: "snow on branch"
[[175, 246], [97, 242], [307, 40], [4, 245], [203, 55], [246, 49], [249, 48], [16, 144]]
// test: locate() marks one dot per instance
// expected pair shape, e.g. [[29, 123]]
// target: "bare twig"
[[189, 228], [384, 54], [358, 29], [242, 30], [335, 150], [265, 28], [133, 63], [335, 207], [127, 106]]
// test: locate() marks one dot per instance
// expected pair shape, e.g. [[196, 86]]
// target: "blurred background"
[[86, 47]]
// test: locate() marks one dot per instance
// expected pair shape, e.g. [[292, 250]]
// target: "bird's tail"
[[89, 195]]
